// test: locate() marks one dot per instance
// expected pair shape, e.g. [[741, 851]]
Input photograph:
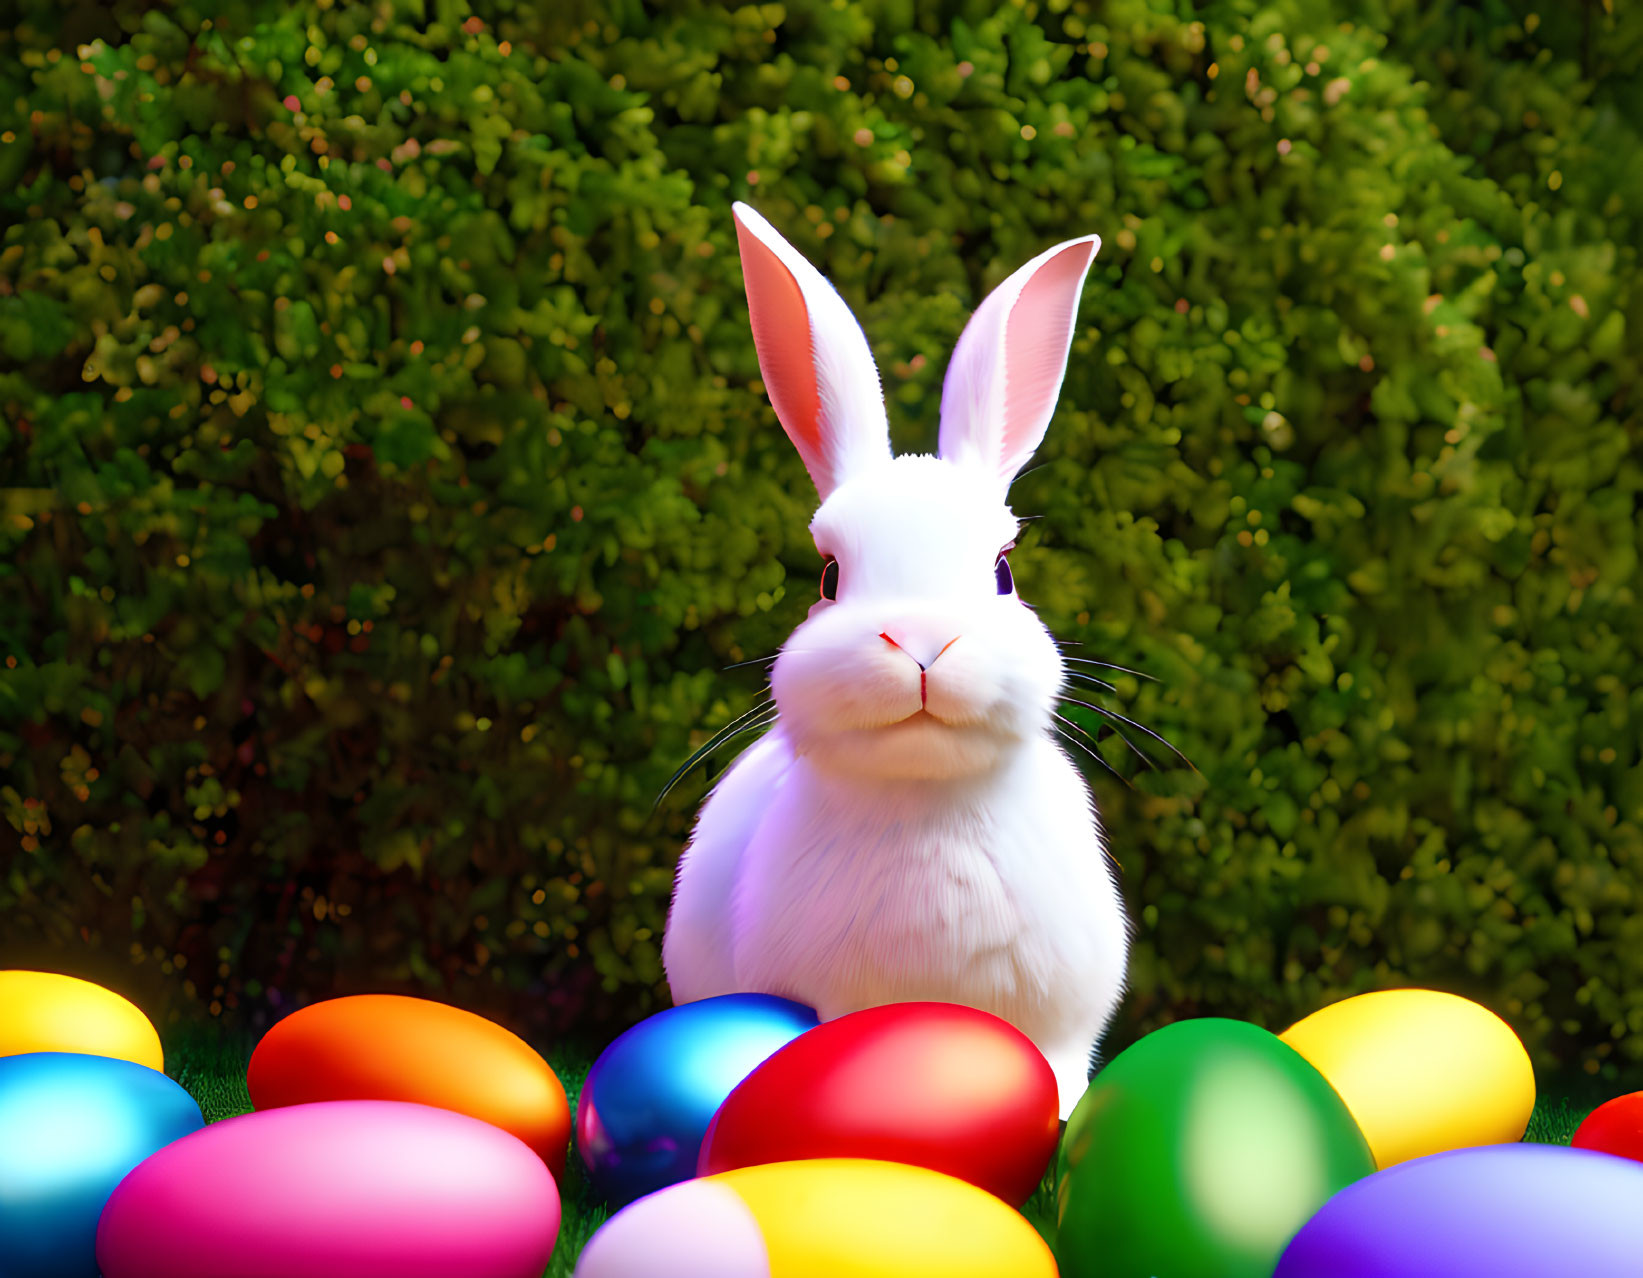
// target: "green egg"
[[1198, 1153]]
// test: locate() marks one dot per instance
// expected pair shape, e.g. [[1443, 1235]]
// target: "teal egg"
[[71, 1128]]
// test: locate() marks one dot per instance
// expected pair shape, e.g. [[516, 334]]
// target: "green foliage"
[[388, 480]]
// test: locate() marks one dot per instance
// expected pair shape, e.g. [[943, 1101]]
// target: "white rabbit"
[[910, 829]]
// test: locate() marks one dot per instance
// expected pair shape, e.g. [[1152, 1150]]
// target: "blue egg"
[[71, 1127], [648, 1100]]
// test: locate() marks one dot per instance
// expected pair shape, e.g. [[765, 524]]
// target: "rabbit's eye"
[[1001, 571], [830, 580]]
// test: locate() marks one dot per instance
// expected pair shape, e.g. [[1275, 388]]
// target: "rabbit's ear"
[[1007, 368], [816, 364]]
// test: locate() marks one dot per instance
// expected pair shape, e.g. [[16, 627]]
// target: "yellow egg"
[[818, 1218], [49, 1012], [831, 1216], [1421, 1071]]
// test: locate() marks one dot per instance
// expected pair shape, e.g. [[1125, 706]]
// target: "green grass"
[[210, 1064]]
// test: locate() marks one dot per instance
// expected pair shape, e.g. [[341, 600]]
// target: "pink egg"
[[335, 1189]]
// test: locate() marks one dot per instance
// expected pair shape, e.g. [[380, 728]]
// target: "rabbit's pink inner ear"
[[782, 337], [1036, 342]]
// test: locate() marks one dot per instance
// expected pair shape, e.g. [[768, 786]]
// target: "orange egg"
[[389, 1047]]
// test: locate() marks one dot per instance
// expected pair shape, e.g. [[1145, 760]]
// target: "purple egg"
[[1495, 1211]]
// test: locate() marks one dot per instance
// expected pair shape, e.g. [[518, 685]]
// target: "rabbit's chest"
[[935, 892], [864, 915]]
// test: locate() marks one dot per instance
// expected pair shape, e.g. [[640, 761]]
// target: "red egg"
[[930, 1084], [1614, 1127]]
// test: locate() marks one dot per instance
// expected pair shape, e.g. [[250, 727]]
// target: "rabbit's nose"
[[920, 647]]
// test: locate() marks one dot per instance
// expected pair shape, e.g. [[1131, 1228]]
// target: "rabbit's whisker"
[[1107, 665], [754, 662], [765, 705], [1139, 754], [1087, 734], [1110, 665], [1139, 727], [1074, 740], [761, 715], [1090, 680]]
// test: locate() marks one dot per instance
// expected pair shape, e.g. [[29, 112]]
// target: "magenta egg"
[[335, 1189]]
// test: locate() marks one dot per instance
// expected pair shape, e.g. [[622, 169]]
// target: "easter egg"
[[1421, 1071], [1197, 1153], [388, 1047], [650, 1096], [821, 1218], [1497, 1211], [49, 1012], [1614, 1127], [71, 1127], [933, 1084], [335, 1189]]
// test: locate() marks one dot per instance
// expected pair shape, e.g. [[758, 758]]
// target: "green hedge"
[[388, 481]]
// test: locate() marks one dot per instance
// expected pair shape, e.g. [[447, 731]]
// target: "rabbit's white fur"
[[910, 829]]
